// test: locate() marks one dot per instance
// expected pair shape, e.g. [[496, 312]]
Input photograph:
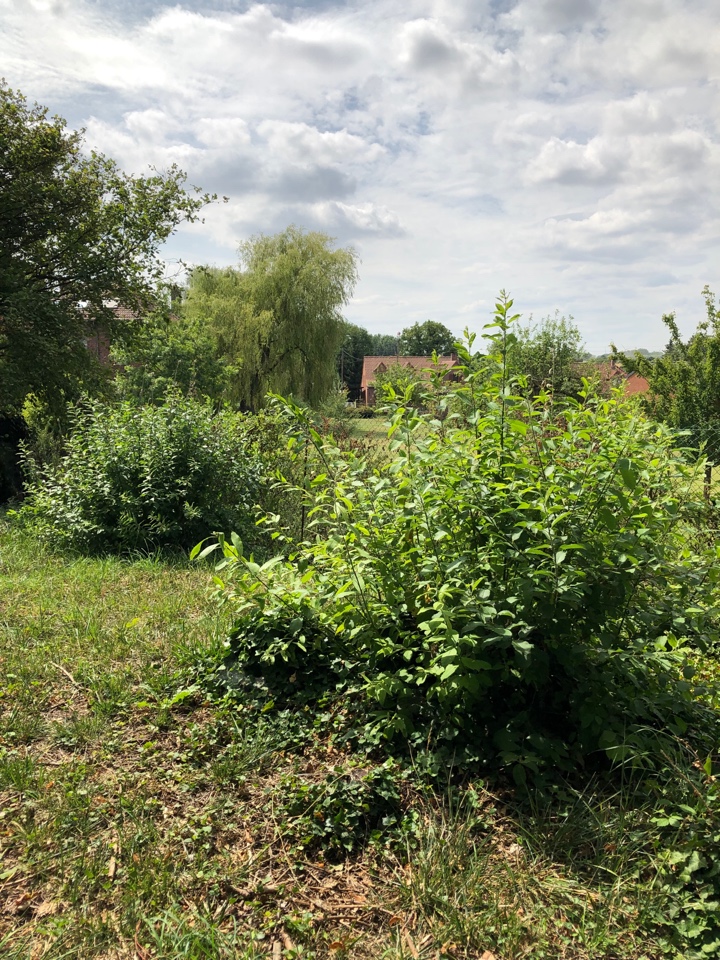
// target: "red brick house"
[[612, 374], [421, 365]]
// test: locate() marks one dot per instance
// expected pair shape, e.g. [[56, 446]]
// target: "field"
[[140, 818]]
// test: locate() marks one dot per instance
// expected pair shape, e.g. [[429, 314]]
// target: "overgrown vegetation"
[[142, 477], [518, 578], [277, 320], [140, 817], [468, 708], [685, 383], [76, 234]]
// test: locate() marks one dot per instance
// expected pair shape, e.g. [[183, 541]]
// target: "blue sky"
[[566, 150]]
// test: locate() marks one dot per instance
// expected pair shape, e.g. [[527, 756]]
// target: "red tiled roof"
[[423, 365]]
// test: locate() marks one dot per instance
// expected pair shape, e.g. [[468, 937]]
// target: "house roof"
[[612, 373], [422, 365]]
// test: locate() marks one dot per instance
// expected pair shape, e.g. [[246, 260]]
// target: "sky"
[[567, 151]]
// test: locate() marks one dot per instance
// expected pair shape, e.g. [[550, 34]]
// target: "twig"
[[67, 673]]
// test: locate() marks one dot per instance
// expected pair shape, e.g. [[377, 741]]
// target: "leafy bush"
[[515, 577], [144, 477], [170, 354], [687, 820], [401, 379], [343, 810]]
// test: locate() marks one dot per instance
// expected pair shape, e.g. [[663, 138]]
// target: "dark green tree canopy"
[[383, 345], [75, 234], [167, 354], [423, 339], [279, 317], [356, 344]]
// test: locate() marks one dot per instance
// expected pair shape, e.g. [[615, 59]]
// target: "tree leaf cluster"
[[550, 355], [146, 477], [76, 236], [424, 339]]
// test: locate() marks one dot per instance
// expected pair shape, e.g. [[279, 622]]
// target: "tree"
[[169, 354], [75, 234], [355, 346], [423, 339], [383, 345], [550, 354], [685, 383], [278, 317]]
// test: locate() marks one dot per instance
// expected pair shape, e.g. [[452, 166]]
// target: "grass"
[[139, 819], [372, 429]]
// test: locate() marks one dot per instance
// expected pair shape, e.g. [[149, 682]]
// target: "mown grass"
[[139, 819]]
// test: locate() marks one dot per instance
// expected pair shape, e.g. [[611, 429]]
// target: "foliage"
[[424, 339], [97, 654], [168, 353], [514, 579], [144, 477], [400, 380], [356, 345], [278, 318], [335, 405], [13, 430], [75, 234], [550, 354], [383, 345], [687, 821], [344, 810], [685, 382]]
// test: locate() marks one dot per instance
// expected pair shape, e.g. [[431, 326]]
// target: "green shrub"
[[344, 810], [146, 477], [515, 577]]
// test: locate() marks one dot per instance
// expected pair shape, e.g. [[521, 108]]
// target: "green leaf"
[[627, 473], [211, 548], [519, 774]]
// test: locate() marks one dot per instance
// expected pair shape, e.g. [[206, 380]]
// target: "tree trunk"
[[708, 480]]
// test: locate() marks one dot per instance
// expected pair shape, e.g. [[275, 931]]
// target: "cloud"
[[571, 163], [359, 219], [304, 142], [566, 149], [308, 184], [427, 45]]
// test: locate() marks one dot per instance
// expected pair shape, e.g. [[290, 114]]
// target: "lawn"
[[143, 817]]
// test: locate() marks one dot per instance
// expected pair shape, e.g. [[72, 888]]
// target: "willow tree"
[[279, 316]]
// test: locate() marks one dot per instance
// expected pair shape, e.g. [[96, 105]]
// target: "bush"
[[146, 477], [516, 576]]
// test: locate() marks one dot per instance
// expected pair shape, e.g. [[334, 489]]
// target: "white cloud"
[[305, 143], [360, 218], [568, 162], [566, 149]]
